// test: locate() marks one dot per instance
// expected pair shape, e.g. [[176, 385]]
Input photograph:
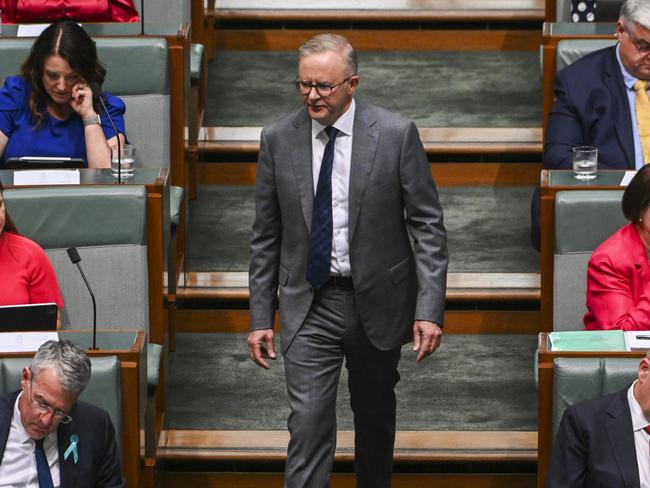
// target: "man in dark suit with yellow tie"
[[348, 226]]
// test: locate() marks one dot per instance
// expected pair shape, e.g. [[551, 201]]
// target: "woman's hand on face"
[[82, 100]]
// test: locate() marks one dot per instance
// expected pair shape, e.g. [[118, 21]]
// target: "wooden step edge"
[[366, 16], [410, 446], [461, 287]]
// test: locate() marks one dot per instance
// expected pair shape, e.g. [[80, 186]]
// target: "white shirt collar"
[[639, 421], [344, 123]]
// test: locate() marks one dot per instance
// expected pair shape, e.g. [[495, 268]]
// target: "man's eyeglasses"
[[642, 46], [323, 89], [43, 408]]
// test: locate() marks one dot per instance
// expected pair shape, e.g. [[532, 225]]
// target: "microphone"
[[97, 96], [75, 258]]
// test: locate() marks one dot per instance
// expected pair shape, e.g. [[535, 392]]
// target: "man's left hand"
[[426, 338]]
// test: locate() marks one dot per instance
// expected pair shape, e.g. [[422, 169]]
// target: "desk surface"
[[580, 29], [92, 176], [96, 29], [557, 177]]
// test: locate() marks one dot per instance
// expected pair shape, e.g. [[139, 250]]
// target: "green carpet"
[[433, 88], [487, 227], [473, 382]]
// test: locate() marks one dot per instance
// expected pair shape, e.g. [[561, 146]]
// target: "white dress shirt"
[[18, 467], [641, 438], [340, 263]]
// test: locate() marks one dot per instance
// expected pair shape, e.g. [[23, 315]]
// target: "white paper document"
[[33, 177], [628, 177], [637, 340], [25, 341], [31, 30]]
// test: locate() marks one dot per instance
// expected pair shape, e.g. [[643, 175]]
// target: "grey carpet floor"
[[473, 382], [433, 88], [487, 227]]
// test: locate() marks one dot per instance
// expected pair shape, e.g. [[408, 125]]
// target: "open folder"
[[599, 340]]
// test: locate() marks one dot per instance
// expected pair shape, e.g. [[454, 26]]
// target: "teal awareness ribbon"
[[72, 449]]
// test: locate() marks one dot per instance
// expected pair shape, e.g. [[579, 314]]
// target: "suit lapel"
[[621, 438], [621, 109], [301, 159], [67, 467], [365, 137], [7, 403]]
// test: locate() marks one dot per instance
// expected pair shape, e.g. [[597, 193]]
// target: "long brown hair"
[[9, 224], [71, 42]]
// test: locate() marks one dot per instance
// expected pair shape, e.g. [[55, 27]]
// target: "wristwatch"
[[92, 120]]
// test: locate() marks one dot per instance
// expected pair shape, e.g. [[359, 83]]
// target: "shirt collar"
[[639, 421], [628, 79], [344, 123]]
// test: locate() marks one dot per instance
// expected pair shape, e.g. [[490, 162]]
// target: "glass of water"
[[128, 161], [585, 162]]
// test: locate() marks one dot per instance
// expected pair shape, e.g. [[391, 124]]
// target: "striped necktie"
[[320, 243], [42, 466], [642, 108]]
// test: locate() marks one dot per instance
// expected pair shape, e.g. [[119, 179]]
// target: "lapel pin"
[[72, 449]]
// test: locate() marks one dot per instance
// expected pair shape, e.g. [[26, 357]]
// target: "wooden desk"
[[129, 346], [155, 181], [545, 359], [552, 34], [551, 182]]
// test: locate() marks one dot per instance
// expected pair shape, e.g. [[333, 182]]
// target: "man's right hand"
[[260, 346]]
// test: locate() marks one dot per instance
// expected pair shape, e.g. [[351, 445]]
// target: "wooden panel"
[[346, 480], [444, 174], [456, 321], [429, 446], [377, 40]]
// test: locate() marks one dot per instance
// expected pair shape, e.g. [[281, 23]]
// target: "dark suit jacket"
[[98, 463], [594, 446], [392, 199], [591, 108]]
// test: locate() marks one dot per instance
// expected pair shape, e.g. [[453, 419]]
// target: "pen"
[[644, 337]]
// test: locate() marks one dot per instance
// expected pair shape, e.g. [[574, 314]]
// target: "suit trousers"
[[332, 331]]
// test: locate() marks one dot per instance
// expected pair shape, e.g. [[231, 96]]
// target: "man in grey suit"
[[349, 226]]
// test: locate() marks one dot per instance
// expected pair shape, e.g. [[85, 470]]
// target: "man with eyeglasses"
[[348, 227], [48, 439], [597, 102]]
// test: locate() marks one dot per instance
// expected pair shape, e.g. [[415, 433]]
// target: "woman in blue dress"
[[49, 109]]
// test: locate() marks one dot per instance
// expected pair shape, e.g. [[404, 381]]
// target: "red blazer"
[[26, 11], [618, 283]]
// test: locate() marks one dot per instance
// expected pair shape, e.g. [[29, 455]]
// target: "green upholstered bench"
[[583, 220]]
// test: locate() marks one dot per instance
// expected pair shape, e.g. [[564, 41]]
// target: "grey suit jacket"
[[398, 243]]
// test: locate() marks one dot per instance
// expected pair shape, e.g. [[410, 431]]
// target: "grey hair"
[[70, 363], [636, 12], [335, 43]]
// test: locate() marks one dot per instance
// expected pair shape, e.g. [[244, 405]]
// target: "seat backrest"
[[570, 50], [104, 389], [166, 12], [583, 220], [579, 379], [107, 224], [138, 72], [606, 10]]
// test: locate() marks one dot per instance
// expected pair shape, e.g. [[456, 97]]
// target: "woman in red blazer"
[[618, 275]]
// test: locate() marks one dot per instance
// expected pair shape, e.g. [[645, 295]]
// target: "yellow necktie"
[[642, 108]]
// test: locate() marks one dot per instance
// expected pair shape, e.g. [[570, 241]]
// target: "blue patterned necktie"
[[42, 466], [320, 242]]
